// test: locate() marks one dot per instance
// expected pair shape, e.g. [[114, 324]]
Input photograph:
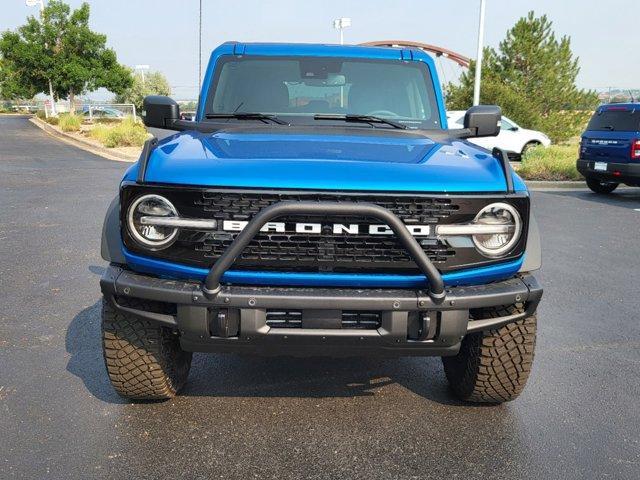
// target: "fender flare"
[[111, 243], [533, 254]]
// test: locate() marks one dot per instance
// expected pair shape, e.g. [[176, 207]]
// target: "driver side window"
[[506, 124]]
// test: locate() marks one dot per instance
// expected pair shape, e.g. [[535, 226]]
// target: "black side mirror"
[[483, 120], [160, 111]]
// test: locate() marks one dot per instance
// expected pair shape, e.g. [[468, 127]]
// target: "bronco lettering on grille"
[[319, 228]]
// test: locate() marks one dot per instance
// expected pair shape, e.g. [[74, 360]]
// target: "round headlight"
[[506, 219], [150, 235]]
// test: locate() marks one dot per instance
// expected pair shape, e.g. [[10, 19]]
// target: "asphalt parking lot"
[[242, 417]]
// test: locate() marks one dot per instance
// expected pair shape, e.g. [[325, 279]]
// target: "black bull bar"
[[212, 286]]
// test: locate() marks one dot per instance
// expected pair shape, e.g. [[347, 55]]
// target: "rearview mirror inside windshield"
[[332, 80]]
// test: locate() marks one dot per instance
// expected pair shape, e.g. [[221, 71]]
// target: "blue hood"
[[324, 159]]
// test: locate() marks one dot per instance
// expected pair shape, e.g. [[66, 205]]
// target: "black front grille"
[[318, 252], [330, 249], [229, 205], [325, 252]]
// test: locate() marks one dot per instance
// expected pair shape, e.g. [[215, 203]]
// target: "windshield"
[[615, 119], [300, 87]]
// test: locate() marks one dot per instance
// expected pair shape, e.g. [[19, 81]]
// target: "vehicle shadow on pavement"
[[316, 377], [82, 342], [254, 376]]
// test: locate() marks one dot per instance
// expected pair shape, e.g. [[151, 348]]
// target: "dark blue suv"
[[609, 151], [320, 205]]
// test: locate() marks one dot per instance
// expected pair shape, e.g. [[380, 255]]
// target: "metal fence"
[[21, 106], [90, 110]]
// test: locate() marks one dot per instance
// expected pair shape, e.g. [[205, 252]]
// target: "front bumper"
[[235, 320], [616, 172]]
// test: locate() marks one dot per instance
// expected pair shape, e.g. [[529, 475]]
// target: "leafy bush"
[[41, 115], [127, 133], [70, 122], [564, 125], [557, 162]]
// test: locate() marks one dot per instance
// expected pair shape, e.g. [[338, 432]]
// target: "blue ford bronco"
[[609, 152], [318, 205]]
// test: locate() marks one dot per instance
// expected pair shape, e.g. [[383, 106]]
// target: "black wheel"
[[144, 360], [493, 366], [527, 146], [600, 186]]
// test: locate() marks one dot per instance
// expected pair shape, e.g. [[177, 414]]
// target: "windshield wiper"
[[360, 119], [247, 116]]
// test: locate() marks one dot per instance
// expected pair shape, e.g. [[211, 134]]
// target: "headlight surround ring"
[[506, 245], [136, 233]]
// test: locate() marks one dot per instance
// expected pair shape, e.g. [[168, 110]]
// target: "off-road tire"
[[493, 366], [599, 186], [143, 359]]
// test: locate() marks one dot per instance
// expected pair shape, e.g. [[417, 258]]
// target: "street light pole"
[[340, 24], [200, 50], [33, 3], [141, 69], [476, 85]]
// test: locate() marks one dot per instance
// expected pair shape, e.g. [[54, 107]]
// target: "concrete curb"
[[550, 185], [83, 144], [545, 186]]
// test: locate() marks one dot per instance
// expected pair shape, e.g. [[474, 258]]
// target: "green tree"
[[11, 86], [62, 48], [532, 77], [154, 83]]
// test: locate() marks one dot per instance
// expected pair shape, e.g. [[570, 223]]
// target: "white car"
[[512, 138]]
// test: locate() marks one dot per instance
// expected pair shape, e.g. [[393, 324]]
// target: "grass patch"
[[127, 133], [107, 120], [69, 122], [557, 162], [43, 116], [99, 132]]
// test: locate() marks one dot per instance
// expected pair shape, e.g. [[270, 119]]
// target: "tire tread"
[[144, 361], [494, 366]]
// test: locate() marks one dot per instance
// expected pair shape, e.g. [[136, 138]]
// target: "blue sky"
[[163, 33]]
